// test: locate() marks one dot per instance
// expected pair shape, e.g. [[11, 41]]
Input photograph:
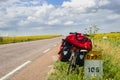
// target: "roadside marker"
[[93, 67], [12, 72]]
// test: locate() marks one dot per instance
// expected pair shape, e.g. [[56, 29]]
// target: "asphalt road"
[[21, 54]]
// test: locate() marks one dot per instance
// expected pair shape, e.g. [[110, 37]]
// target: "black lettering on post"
[[89, 69], [92, 69], [97, 69]]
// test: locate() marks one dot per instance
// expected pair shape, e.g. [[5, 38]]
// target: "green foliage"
[[60, 73], [111, 71]]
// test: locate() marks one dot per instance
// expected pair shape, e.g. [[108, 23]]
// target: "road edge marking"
[[46, 50], [55, 45], [12, 72]]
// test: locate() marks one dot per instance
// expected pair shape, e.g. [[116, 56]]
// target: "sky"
[[36, 17]]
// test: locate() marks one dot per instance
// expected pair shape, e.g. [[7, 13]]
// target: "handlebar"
[[83, 50], [76, 33]]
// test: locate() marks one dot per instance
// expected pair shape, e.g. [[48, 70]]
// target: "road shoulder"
[[38, 70]]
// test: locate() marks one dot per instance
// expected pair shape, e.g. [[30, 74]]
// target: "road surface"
[[15, 56]]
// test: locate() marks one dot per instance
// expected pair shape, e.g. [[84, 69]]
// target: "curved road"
[[14, 55]]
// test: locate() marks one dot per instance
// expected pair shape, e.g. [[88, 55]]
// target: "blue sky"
[[56, 2], [35, 17]]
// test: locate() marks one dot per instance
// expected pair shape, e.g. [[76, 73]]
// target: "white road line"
[[55, 45], [46, 50], [12, 72]]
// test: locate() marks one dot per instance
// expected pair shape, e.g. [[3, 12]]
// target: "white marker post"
[[93, 67]]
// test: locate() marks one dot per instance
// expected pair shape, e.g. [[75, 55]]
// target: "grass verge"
[[111, 66]]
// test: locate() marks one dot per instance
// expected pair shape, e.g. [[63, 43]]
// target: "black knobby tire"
[[70, 68], [77, 69]]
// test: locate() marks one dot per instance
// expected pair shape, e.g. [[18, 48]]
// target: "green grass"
[[6, 40], [111, 63], [60, 72]]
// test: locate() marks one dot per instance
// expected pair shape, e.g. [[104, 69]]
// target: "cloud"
[[84, 6], [69, 23], [79, 6], [3, 0], [79, 3], [54, 22], [104, 2], [113, 16], [37, 16], [113, 6]]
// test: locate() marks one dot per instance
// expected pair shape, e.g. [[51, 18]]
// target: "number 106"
[[93, 69]]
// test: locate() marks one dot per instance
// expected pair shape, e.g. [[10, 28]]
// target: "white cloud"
[[74, 13], [54, 22], [23, 23], [8, 2], [2, 24], [37, 14], [88, 20], [77, 6], [34, 2], [104, 2], [31, 18], [79, 3], [113, 16], [69, 23]]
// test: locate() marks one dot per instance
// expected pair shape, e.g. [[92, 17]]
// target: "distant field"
[[6, 40], [110, 36]]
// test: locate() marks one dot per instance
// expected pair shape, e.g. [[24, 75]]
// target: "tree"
[[92, 30]]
